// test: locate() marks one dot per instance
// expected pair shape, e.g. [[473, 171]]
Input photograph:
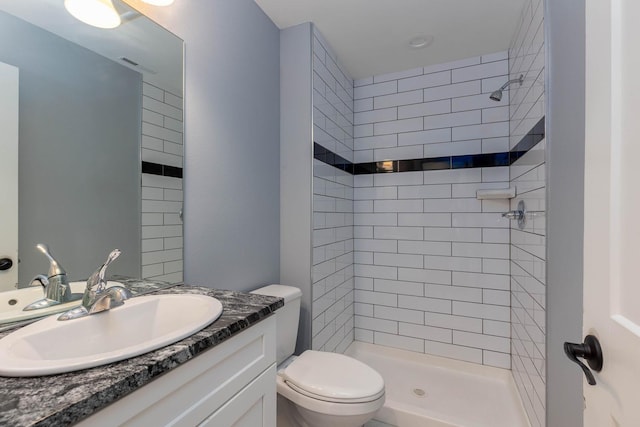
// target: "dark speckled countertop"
[[60, 400]]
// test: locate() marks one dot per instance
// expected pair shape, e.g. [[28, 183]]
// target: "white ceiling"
[[371, 37]]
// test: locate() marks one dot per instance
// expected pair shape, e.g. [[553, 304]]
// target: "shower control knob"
[[519, 214], [513, 214], [590, 351], [5, 263]]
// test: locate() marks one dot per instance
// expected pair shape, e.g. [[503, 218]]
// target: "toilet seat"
[[334, 400], [324, 407], [333, 377]]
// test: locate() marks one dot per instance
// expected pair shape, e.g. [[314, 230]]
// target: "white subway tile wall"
[[434, 111], [333, 269], [162, 142], [526, 56], [432, 261]]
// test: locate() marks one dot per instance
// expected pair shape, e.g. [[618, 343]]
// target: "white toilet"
[[319, 389]]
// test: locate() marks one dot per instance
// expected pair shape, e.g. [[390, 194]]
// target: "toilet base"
[[292, 415], [316, 419], [285, 410]]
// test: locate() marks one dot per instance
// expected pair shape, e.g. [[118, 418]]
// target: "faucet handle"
[[96, 297], [55, 284], [96, 280], [55, 269], [40, 280]]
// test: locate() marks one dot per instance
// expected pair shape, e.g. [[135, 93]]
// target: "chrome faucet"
[[97, 297], [55, 284]]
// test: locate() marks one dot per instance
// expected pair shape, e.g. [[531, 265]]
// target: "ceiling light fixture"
[[159, 2], [420, 41], [98, 13]]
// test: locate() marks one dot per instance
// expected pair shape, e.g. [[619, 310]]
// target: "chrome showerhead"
[[497, 95]]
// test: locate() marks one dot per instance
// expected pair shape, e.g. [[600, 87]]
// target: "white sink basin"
[[142, 324], [12, 302]]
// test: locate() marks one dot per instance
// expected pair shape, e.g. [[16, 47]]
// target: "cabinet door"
[[190, 393], [253, 406]]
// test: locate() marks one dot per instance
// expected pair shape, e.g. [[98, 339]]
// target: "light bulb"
[[98, 13]]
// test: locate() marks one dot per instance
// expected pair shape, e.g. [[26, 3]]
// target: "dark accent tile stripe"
[[434, 163], [368, 168], [163, 170], [152, 168], [506, 158], [535, 135], [331, 158], [480, 160], [376, 167], [172, 171], [426, 164]]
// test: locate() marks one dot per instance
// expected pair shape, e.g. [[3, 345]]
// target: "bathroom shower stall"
[[413, 220]]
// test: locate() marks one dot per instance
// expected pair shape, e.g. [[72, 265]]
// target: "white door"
[[8, 177], [612, 205]]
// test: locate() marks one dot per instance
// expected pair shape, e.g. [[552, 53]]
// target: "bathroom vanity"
[[222, 375]]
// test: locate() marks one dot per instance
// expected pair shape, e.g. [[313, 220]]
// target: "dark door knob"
[[5, 263], [590, 351]]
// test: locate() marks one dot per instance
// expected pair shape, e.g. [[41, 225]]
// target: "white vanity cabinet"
[[231, 384]]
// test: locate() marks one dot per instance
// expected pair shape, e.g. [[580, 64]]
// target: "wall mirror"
[[92, 144]]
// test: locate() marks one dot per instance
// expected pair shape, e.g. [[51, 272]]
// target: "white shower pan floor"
[[430, 391]]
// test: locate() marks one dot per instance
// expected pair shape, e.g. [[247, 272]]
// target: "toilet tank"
[[287, 318]]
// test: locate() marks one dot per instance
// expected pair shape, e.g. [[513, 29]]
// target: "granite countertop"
[[64, 399]]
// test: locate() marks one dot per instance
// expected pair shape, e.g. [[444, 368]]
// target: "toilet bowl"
[[319, 389], [329, 389]]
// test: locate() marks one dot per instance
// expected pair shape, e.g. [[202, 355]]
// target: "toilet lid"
[[334, 377]]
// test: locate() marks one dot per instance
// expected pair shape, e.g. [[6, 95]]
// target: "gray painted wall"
[[232, 137], [565, 33], [79, 156], [296, 154]]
